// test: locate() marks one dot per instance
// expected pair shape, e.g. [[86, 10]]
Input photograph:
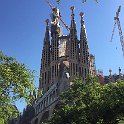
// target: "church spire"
[[82, 21], [47, 36], [82, 37], [73, 47], [73, 25], [84, 53], [73, 30], [84, 50], [45, 61]]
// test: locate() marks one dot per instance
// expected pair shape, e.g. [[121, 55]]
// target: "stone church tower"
[[63, 58], [45, 65]]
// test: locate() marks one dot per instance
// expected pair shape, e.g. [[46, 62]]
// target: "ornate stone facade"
[[63, 58]]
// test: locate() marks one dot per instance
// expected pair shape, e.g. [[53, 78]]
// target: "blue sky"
[[22, 28]]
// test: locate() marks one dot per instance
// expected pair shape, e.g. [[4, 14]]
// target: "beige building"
[[63, 58]]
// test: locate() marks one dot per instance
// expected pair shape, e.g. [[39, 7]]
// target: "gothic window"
[[52, 71], [42, 77], [74, 68], [82, 71], [45, 77], [71, 69], [55, 70], [85, 72], [48, 76], [84, 60]]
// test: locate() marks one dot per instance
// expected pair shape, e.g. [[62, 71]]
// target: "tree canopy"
[[16, 82], [91, 103]]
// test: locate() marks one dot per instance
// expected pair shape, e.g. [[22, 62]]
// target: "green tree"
[[91, 103], [16, 82]]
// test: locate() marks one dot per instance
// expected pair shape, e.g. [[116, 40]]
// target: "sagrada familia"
[[63, 58]]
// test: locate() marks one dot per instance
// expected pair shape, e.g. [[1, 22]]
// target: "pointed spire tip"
[[72, 8], [81, 14], [47, 22]]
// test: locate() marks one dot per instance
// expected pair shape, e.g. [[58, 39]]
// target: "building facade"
[[113, 77], [63, 58], [109, 78]]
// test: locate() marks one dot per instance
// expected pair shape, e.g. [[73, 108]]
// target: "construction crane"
[[117, 21], [59, 17]]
